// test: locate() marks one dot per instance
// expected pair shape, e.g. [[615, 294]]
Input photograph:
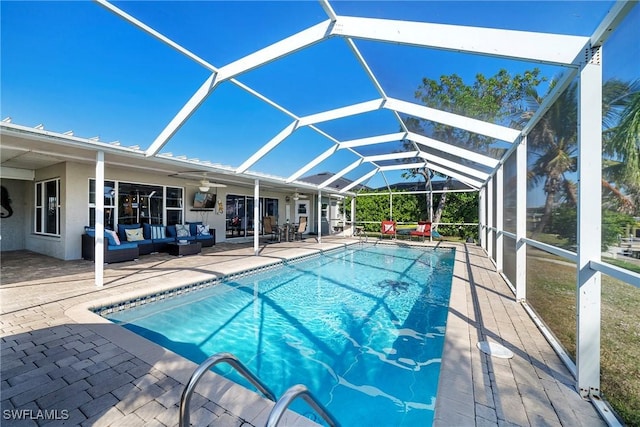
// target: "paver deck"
[[62, 365]]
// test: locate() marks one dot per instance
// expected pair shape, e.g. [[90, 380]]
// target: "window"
[[132, 203], [174, 205], [47, 203], [109, 203]]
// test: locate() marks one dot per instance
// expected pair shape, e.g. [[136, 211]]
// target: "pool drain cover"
[[495, 350]]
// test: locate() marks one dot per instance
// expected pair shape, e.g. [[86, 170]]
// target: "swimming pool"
[[363, 328]]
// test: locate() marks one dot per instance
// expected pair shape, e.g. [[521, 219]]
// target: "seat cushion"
[[110, 236], [123, 245], [164, 240]]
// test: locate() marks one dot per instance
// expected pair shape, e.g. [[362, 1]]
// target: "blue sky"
[[77, 66]]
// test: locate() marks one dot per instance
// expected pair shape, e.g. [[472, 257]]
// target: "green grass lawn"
[[551, 292]]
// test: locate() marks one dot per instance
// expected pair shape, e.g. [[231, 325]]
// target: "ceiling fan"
[[298, 196], [205, 185]]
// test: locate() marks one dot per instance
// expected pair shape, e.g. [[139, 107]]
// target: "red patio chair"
[[422, 230], [388, 228]]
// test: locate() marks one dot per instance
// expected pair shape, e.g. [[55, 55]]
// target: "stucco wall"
[[74, 199], [14, 227]]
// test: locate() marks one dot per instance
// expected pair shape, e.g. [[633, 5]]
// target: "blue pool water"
[[363, 328]]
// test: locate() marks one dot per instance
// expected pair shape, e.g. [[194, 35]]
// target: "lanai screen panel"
[[620, 301], [510, 210], [551, 204]]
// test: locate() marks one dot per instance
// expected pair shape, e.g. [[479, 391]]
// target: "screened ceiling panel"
[[312, 80], [432, 154], [363, 125], [389, 63], [338, 160], [229, 117], [297, 149], [278, 88], [361, 173], [224, 31], [577, 17], [386, 147], [458, 138]]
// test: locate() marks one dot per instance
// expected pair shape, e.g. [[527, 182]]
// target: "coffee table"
[[181, 249]]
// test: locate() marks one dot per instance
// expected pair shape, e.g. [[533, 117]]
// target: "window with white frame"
[[109, 204], [47, 207], [132, 203], [174, 205]]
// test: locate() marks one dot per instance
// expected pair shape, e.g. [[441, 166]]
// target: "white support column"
[[499, 216], [99, 225], [256, 217], [319, 216], [481, 215], [589, 225], [430, 206], [521, 220], [353, 216], [490, 200]]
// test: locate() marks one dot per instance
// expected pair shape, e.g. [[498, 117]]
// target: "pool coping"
[[240, 401]]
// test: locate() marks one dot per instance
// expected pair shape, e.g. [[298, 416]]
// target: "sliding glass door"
[[239, 217]]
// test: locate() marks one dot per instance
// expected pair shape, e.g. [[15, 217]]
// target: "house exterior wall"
[[14, 224], [17, 231]]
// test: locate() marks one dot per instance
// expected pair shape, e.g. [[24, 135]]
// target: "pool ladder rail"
[[279, 408]]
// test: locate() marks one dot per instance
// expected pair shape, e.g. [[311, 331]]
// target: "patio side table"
[[181, 249]]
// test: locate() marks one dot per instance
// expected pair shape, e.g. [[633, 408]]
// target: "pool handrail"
[[203, 368], [289, 396]]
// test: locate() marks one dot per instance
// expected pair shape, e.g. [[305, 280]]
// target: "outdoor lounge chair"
[[270, 227], [422, 230], [302, 227], [388, 228]]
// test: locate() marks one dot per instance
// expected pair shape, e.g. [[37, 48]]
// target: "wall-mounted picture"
[[204, 201]]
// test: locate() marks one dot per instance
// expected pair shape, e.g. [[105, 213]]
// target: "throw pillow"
[[134, 234], [114, 237], [203, 230], [388, 227], [157, 232], [420, 228], [182, 230]]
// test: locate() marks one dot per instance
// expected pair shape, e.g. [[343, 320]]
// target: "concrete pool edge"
[[455, 397]]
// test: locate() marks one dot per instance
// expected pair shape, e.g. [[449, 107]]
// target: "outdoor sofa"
[[113, 252], [132, 240]]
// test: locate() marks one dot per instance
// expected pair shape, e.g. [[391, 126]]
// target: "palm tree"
[[553, 142], [553, 147], [492, 99], [621, 173]]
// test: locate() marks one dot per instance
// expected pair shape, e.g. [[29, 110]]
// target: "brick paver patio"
[[61, 365]]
